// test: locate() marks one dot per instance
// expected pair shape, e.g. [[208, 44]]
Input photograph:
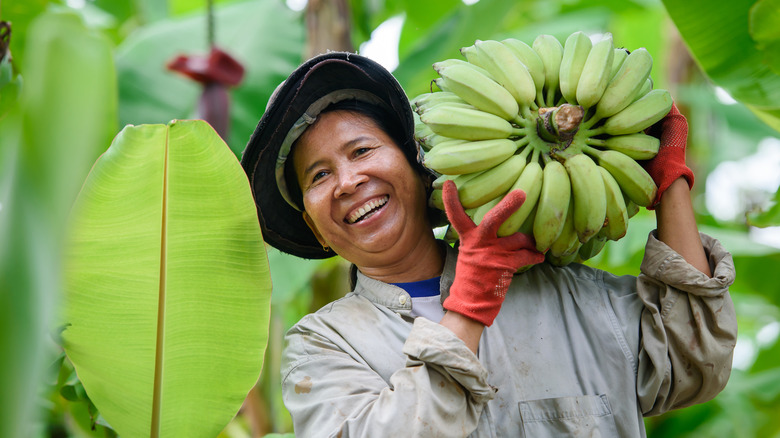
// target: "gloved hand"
[[669, 164], [486, 262]]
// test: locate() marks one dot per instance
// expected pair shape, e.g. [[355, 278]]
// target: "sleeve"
[[439, 393], [688, 327]]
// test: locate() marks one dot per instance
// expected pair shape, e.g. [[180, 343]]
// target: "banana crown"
[[563, 121]]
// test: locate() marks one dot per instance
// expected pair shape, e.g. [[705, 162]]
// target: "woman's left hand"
[[669, 164]]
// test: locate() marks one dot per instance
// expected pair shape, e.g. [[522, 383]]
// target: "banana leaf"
[[54, 124], [736, 44], [167, 286]]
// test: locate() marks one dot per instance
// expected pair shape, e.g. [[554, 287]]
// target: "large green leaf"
[[64, 118], [733, 46], [167, 283]]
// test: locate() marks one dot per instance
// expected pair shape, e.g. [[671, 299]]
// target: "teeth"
[[368, 207]]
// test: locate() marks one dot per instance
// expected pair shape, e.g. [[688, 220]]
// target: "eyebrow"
[[346, 145]]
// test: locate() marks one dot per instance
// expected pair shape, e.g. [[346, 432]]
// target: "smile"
[[368, 209]]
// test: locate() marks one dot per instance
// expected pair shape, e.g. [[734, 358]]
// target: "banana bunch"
[[564, 122]]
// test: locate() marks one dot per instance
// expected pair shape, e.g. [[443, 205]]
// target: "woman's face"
[[361, 196]]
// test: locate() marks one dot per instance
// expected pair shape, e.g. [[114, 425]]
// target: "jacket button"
[[402, 299]]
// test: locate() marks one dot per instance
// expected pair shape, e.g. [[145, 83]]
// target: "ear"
[[313, 228]]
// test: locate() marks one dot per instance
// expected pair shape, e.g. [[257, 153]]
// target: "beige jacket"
[[575, 351]]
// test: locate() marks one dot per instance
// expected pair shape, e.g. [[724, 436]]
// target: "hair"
[[384, 119]]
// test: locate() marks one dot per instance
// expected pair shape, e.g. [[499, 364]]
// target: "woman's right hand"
[[486, 262]]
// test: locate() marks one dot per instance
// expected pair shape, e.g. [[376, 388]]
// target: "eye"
[[317, 175], [362, 150]]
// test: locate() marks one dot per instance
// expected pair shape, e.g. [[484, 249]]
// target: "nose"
[[349, 179]]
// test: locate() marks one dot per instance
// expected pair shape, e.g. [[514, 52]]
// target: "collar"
[[397, 299]]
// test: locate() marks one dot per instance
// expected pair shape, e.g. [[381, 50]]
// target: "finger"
[[518, 241], [454, 210], [498, 214]]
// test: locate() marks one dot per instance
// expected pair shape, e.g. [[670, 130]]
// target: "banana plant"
[[167, 285]]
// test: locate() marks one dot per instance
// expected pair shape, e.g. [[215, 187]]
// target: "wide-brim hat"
[[294, 105]]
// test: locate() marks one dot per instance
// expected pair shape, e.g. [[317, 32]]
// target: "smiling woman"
[[435, 340]]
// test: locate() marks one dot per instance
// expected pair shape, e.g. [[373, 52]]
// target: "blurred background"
[[734, 150]]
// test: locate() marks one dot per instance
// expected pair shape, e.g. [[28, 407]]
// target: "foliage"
[[167, 288], [734, 45]]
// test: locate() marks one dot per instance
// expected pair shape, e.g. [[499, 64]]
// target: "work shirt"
[[574, 351]]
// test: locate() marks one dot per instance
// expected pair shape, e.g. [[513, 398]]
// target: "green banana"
[[626, 84], [639, 146], [468, 124], [473, 156], [631, 207], [633, 179], [436, 200], [596, 72], [645, 89], [575, 53], [492, 182], [472, 55], [530, 181], [479, 90], [438, 183], [550, 51], [530, 59], [588, 195], [440, 65], [508, 71], [616, 223], [427, 101], [640, 115], [553, 205], [477, 214], [617, 60], [567, 241], [562, 260], [592, 247]]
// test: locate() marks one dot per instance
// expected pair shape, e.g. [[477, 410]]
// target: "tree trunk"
[[327, 27]]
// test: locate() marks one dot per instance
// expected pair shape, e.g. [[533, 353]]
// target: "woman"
[[437, 341]]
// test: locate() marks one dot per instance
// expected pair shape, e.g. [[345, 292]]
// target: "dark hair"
[[384, 119]]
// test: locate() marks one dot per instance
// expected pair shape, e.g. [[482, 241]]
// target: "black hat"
[[293, 107]]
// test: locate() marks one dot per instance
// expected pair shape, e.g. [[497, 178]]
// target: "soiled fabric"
[[575, 351]]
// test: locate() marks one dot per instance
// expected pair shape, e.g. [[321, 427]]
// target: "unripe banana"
[[575, 53], [479, 90], [492, 182], [474, 156], [438, 183], [427, 101], [567, 241], [477, 214], [639, 146], [441, 65], [530, 59], [423, 109], [436, 199], [631, 207], [592, 247], [633, 179], [467, 124], [553, 205], [617, 60], [437, 139], [550, 51], [530, 181], [508, 71], [596, 73], [472, 56], [562, 260], [616, 223], [626, 84], [645, 89], [640, 115], [588, 195]]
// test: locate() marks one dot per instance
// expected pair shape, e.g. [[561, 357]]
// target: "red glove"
[[669, 164], [486, 262]]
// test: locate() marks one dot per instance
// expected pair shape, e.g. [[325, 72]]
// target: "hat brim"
[[282, 225]]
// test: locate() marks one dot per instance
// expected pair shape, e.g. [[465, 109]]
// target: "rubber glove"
[[669, 163], [486, 262]]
